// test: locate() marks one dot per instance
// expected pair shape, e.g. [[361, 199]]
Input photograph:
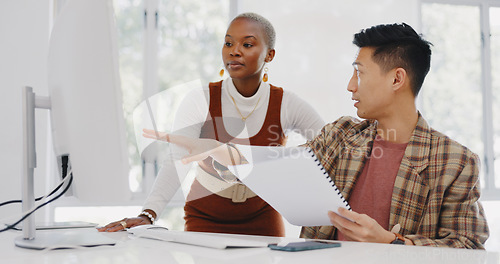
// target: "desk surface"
[[130, 249]]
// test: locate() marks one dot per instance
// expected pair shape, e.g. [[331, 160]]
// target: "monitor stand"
[[60, 225], [51, 238]]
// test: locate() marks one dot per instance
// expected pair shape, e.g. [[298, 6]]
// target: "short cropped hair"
[[398, 46], [266, 25]]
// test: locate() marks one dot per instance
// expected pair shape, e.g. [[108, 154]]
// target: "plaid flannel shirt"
[[436, 191]]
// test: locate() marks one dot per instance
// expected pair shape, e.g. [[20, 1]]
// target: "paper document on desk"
[[292, 181], [211, 240]]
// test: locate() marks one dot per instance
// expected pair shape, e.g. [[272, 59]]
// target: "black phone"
[[306, 245]]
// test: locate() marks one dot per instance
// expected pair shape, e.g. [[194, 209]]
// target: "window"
[[129, 21], [161, 44], [461, 97], [495, 86]]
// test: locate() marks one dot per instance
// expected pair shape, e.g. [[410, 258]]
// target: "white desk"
[[141, 250]]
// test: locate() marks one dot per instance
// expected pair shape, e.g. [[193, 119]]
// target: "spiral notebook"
[[292, 181]]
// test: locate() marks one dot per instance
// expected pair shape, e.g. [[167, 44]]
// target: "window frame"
[[151, 79], [489, 189]]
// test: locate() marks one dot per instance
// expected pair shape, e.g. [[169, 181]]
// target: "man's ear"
[[270, 55], [400, 79]]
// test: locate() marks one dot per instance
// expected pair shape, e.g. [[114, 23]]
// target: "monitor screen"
[[87, 118]]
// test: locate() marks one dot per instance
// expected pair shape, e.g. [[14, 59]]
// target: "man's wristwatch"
[[399, 240]]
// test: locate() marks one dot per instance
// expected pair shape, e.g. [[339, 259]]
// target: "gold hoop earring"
[[265, 77]]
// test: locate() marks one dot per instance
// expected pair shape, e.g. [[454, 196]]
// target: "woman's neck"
[[247, 87]]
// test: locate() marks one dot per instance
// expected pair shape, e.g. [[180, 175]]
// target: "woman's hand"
[[125, 223], [198, 148]]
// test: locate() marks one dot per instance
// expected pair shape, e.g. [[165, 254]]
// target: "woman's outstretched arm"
[[199, 148]]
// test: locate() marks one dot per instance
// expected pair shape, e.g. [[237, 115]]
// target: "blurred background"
[[164, 43]]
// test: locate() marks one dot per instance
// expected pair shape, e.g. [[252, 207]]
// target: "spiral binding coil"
[[328, 177]]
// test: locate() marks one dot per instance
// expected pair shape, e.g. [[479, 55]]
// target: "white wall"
[[24, 30]]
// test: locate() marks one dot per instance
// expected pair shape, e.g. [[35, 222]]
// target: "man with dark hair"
[[396, 172], [398, 46]]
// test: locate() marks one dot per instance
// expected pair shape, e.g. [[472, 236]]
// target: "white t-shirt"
[[296, 115]]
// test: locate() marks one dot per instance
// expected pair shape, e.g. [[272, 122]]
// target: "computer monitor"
[[86, 116], [86, 113]]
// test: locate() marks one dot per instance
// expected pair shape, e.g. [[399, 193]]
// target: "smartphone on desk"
[[306, 245]]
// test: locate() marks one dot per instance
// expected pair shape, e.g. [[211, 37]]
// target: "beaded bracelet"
[[148, 215]]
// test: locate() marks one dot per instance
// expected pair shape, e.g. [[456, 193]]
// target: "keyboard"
[[211, 240]]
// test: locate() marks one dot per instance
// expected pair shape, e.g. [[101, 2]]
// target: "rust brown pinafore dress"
[[209, 212]]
